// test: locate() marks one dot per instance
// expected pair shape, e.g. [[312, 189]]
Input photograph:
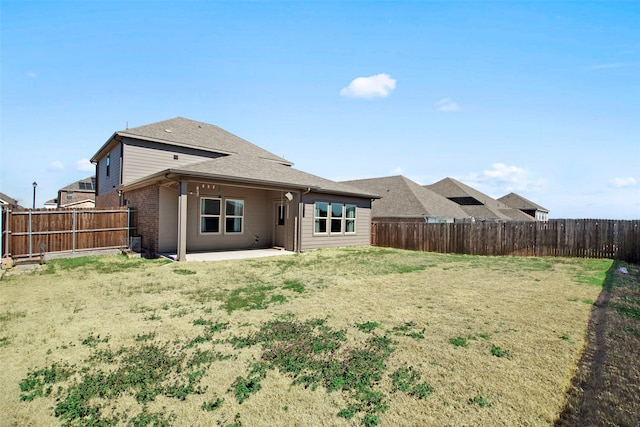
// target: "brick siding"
[[147, 202]]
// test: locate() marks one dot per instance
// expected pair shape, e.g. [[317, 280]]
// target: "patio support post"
[[182, 221]]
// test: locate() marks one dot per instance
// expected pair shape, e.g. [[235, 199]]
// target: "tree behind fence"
[[585, 238]]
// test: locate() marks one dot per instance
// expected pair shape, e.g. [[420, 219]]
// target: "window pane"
[[233, 225], [322, 209], [350, 211], [210, 225], [321, 225], [235, 207], [336, 225], [336, 210], [210, 207], [350, 225]]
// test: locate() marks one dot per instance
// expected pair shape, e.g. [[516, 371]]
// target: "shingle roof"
[[490, 208], [85, 185], [190, 133], [516, 201], [402, 197], [255, 170], [4, 199]]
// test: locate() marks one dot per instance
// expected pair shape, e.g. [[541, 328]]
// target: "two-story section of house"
[[197, 187]]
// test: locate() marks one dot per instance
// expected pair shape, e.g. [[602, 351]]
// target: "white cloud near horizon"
[[380, 85], [447, 105], [397, 171], [620, 182], [84, 165], [505, 178], [32, 74]]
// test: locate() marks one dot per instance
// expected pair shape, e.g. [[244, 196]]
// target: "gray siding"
[[258, 220], [362, 236], [106, 184], [143, 158]]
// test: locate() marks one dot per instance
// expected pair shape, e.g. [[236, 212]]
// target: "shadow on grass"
[[605, 388]]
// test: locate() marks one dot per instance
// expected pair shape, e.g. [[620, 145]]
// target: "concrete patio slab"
[[230, 255]]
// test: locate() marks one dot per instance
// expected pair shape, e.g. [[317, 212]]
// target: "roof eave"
[[180, 173]]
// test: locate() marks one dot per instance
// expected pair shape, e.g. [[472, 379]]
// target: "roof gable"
[[86, 185], [489, 208], [516, 201]]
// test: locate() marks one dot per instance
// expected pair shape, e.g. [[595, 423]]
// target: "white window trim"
[[354, 219], [326, 218], [235, 233], [201, 215], [343, 220]]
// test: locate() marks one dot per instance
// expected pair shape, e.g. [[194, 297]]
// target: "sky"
[[537, 98]]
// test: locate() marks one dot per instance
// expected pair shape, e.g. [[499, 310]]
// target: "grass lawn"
[[356, 336]]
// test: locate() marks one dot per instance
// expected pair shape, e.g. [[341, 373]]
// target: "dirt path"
[[606, 388]]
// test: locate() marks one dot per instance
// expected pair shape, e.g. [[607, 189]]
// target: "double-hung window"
[[321, 214], [210, 215], [350, 219], [334, 218], [234, 216]]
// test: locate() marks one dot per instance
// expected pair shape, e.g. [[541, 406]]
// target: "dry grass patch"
[[359, 336]]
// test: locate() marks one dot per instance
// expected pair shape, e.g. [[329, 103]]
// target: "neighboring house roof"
[[402, 197], [254, 170], [6, 200], [86, 185], [476, 203], [192, 134], [516, 201], [83, 202]]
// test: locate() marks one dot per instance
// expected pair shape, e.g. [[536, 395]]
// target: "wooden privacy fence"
[[34, 232], [585, 238]]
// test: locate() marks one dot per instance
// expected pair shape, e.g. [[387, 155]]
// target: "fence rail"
[[34, 232], [588, 238]]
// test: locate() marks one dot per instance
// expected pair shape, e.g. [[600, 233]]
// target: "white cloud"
[[623, 182], [56, 166], [84, 165], [447, 105], [397, 171], [32, 74], [380, 85], [503, 178]]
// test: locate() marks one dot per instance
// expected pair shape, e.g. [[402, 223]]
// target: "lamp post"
[[35, 184]]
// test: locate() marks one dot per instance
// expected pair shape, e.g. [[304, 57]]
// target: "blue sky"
[[539, 98]]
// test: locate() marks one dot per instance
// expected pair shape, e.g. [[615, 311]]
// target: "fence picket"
[[585, 238], [63, 230]]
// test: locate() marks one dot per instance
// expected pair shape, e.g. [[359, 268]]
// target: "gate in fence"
[[32, 233]]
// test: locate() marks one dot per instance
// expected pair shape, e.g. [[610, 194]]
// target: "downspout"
[[300, 212]]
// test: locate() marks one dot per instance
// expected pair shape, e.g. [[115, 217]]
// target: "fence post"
[[127, 243], [73, 231], [30, 235]]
